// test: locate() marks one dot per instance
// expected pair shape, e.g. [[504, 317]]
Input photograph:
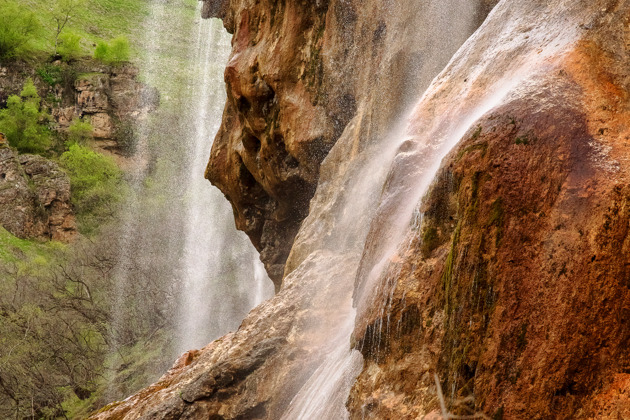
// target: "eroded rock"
[[35, 197]]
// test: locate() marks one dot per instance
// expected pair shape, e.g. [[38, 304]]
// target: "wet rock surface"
[[511, 286], [35, 197], [509, 283]]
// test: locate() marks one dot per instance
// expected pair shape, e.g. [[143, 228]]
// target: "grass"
[[16, 250], [93, 21]]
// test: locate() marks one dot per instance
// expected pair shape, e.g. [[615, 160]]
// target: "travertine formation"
[[509, 284]]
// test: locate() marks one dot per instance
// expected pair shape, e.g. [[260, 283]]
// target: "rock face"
[[279, 121], [293, 84], [512, 287], [482, 239], [35, 197], [109, 97]]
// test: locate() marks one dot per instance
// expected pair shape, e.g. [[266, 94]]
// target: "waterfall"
[[326, 391], [215, 272], [177, 231]]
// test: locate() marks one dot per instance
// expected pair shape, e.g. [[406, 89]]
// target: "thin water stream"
[[220, 273], [325, 393], [178, 230]]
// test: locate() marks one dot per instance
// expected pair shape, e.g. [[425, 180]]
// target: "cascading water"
[[178, 234], [215, 272], [325, 393]]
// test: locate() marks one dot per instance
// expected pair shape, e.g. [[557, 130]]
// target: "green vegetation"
[[21, 121], [69, 47], [68, 345], [430, 241], [79, 132], [18, 29], [97, 186], [70, 28], [522, 140], [114, 52]]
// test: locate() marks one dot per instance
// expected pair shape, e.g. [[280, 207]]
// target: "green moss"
[[14, 249], [477, 133], [430, 240], [479, 146], [524, 140], [447, 274]]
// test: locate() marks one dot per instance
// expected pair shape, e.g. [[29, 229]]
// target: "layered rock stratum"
[[480, 237]]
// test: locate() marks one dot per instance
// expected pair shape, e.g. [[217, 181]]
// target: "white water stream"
[[178, 230], [218, 262], [325, 394]]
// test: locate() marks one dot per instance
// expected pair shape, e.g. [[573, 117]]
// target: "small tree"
[[21, 121], [79, 132], [97, 186], [115, 52], [69, 47], [63, 11], [17, 28]]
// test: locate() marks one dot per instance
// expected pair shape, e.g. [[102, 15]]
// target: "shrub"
[[115, 52], [69, 46], [97, 186], [20, 121], [18, 27], [119, 49], [79, 132], [102, 51], [50, 74]]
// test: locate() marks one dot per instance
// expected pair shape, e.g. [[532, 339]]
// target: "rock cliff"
[[504, 276], [35, 197], [109, 97]]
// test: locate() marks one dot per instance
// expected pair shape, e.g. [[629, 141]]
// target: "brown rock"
[[513, 287], [35, 198]]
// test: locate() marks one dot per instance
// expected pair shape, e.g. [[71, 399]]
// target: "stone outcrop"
[[35, 197], [109, 97], [510, 282], [513, 287], [293, 83], [279, 120], [113, 101]]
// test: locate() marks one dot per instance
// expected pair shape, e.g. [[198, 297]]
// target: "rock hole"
[[246, 177], [251, 143], [3, 176], [243, 105]]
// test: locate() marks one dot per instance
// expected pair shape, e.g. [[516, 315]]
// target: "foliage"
[[79, 132], [22, 121], [63, 11], [97, 186], [101, 51], [69, 47], [58, 334], [17, 29], [114, 52], [51, 329], [50, 74]]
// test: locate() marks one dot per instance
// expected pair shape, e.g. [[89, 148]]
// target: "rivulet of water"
[[325, 393]]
